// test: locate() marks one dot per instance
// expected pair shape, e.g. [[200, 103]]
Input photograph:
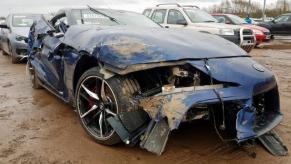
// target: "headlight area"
[[166, 80], [226, 32]]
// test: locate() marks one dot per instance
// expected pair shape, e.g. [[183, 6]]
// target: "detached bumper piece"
[[273, 143], [130, 126], [156, 137]]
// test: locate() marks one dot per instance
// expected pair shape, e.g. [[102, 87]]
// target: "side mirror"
[[182, 22], [4, 26]]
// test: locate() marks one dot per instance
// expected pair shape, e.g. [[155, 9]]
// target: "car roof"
[[218, 14], [172, 6]]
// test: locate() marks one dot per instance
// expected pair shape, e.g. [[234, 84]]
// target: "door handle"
[[167, 27]]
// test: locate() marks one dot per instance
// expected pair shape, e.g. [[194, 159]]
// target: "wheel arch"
[[85, 62]]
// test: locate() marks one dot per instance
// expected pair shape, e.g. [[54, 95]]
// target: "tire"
[[35, 82], [4, 53], [118, 90], [14, 59]]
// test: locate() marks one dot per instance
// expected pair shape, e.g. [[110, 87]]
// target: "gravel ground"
[[36, 127]]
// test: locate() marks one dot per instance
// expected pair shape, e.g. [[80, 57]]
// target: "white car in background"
[[191, 17]]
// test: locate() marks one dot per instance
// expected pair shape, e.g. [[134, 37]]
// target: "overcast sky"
[[45, 6]]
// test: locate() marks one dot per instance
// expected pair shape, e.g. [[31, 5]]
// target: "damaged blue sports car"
[[133, 81]]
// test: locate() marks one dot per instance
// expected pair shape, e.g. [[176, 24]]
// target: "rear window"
[[22, 20]]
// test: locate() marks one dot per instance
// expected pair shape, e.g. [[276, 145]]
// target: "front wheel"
[[14, 58], [98, 99]]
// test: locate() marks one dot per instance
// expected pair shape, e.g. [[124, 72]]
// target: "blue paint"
[[228, 64]]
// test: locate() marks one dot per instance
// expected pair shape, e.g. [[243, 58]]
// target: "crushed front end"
[[238, 94]]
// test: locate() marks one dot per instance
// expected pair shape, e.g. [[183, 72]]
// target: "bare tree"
[[240, 7]]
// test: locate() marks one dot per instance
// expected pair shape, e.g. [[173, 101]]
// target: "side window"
[[147, 12], [220, 19], [159, 15], [174, 16], [289, 20], [281, 19]]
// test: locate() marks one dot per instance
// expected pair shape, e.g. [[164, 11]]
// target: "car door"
[[288, 26], [4, 35], [176, 19], [280, 25], [50, 59]]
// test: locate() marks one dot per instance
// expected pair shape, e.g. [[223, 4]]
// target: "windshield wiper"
[[99, 12]]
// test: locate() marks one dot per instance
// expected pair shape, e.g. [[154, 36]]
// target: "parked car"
[[2, 21], [14, 33], [281, 25], [262, 34], [260, 20], [191, 17], [129, 79]]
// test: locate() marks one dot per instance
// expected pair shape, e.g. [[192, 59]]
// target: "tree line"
[[242, 8]]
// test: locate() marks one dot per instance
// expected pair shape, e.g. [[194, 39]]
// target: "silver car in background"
[[14, 33]]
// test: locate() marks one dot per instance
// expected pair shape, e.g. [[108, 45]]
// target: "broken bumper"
[[174, 107], [251, 98], [19, 49]]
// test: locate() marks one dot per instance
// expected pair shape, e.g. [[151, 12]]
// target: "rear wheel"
[[98, 99]]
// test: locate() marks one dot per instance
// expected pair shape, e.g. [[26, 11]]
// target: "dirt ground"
[[36, 127]]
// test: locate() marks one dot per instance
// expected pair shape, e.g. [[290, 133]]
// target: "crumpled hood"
[[124, 46]]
